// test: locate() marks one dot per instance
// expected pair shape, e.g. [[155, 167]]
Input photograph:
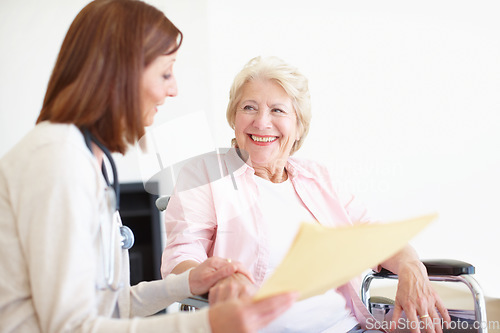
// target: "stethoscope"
[[113, 201]]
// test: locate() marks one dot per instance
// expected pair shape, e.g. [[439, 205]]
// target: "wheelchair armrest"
[[198, 302], [439, 267], [443, 271], [162, 202]]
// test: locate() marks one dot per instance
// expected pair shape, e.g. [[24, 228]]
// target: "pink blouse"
[[214, 212]]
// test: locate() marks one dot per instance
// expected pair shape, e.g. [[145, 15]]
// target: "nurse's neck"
[[98, 153]]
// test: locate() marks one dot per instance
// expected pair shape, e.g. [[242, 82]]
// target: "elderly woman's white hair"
[[288, 77]]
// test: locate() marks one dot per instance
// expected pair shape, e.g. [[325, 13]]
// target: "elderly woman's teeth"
[[263, 139]]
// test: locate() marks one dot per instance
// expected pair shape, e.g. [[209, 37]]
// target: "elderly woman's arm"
[[415, 295], [190, 228], [190, 231]]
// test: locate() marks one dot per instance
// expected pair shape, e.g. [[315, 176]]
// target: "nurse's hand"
[[232, 287], [246, 316], [209, 272]]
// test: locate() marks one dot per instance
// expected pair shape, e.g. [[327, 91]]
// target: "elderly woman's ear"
[[300, 131]]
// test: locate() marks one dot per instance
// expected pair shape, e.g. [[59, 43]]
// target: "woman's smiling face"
[[266, 123]]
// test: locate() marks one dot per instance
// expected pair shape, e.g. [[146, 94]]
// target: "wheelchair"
[[453, 271], [381, 308]]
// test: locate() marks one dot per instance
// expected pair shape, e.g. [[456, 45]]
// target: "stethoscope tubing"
[[113, 196], [89, 138]]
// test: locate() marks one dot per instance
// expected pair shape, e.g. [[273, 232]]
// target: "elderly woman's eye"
[[248, 107], [278, 111]]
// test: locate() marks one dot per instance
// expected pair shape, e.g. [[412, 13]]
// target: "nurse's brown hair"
[[96, 79]]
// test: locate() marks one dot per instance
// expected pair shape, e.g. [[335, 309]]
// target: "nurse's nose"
[[172, 88]]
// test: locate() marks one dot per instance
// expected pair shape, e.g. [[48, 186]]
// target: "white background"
[[406, 98]]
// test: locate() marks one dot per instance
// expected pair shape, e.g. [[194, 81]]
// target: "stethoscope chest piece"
[[127, 237]]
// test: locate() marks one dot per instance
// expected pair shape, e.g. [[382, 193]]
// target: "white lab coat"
[[51, 204]]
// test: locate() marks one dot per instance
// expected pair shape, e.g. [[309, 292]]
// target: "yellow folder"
[[322, 258]]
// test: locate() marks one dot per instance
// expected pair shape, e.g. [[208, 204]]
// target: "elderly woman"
[[253, 213]]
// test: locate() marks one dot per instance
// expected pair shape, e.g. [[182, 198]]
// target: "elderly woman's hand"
[[212, 270], [238, 285], [418, 299]]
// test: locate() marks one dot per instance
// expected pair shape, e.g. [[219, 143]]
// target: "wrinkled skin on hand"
[[418, 299], [232, 287], [205, 275]]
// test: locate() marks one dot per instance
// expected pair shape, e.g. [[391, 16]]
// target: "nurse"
[[114, 68]]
